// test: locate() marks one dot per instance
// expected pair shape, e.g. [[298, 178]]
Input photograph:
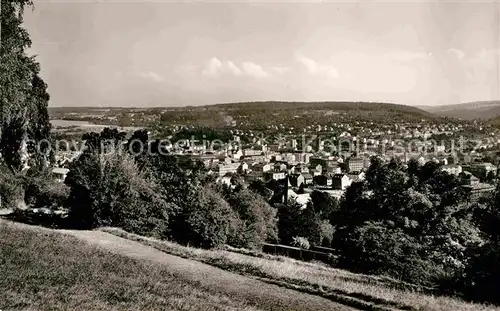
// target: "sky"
[[161, 53]]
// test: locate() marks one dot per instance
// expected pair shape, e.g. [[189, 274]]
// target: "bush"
[[11, 188], [301, 242], [256, 219], [41, 190], [110, 190], [379, 248], [482, 276], [53, 195], [206, 222], [326, 233]]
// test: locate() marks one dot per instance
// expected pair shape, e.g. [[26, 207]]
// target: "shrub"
[[110, 190], [256, 221], [11, 189], [206, 222], [41, 190], [301, 242], [379, 248], [482, 276], [53, 195], [326, 233]]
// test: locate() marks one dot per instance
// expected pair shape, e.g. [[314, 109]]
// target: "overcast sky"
[[156, 53]]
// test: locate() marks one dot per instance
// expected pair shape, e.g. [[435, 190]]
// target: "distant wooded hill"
[[467, 111], [263, 114]]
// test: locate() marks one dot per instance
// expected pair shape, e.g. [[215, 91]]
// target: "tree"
[[109, 190], [380, 248], [206, 222], [417, 211], [23, 96], [490, 177], [257, 219], [323, 204], [482, 274], [259, 187]]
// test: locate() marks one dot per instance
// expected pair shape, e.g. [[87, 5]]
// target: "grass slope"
[[44, 270], [359, 291]]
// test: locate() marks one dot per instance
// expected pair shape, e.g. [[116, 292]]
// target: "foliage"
[[109, 190], [256, 221], [266, 115], [294, 221], [259, 187], [11, 190], [379, 248], [301, 242], [41, 190], [482, 274], [409, 222], [326, 233], [23, 95], [206, 222]]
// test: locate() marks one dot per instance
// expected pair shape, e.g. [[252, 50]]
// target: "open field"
[[44, 269], [362, 291], [85, 126]]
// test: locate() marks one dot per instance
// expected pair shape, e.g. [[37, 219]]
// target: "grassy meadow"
[[45, 270]]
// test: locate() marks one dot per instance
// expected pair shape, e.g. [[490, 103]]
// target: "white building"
[[60, 173], [452, 169]]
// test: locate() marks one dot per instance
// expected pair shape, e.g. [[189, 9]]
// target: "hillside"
[[261, 114], [355, 290], [467, 111], [44, 269]]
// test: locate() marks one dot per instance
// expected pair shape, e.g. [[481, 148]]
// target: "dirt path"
[[263, 295]]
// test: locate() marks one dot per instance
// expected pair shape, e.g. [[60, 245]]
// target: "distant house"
[[274, 175], [300, 168], [468, 179], [482, 170], [475, 188], [279, 166], [452, 169], [223, 169], [266, 168], [244, 167], [341, 181], [251, 152], [206, 159], [259, 167], [254, 176], [301, 199], [60, 173], [355, 164], [225, 180], [333, 169], [439, 148], [356, 176], [466, 158], [314, 161], [296, 179], [317, 170], [323, 181], [308, 179]]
